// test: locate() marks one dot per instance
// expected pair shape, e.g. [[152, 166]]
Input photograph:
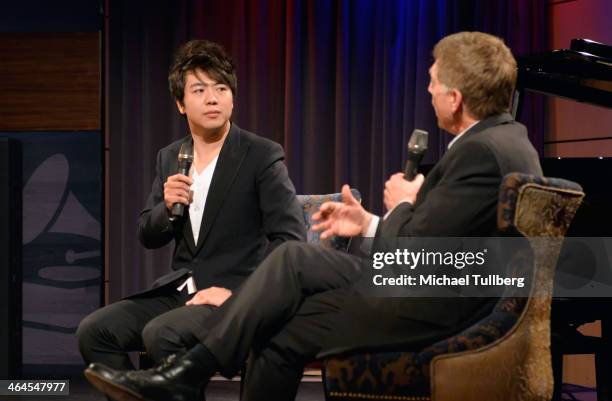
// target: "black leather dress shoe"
[[175, 379], [98, 374], [108, 381], [102, 370]]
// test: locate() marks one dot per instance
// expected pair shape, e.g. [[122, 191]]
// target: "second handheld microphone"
[[417, 145]]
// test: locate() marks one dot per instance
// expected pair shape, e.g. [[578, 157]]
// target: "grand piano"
[[582, 73]]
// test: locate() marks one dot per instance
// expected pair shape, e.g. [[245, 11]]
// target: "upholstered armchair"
[[504, 356], [310, 205]]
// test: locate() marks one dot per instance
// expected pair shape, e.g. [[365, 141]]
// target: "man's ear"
[[456, 100], [180, 106]]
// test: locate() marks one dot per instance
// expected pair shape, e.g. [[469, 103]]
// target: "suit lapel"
[[230, 158], [188, 233]]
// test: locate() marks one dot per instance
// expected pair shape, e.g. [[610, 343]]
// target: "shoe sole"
[[113, 390]]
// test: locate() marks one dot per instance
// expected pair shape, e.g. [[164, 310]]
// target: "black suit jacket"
[[458, 199], [251, 208]]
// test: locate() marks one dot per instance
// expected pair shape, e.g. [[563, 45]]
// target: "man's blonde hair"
[[481, 67]]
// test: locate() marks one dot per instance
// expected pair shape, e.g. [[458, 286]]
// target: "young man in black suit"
[[240, 205], [318, 312]]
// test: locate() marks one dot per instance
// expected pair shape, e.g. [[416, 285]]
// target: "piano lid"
[[592, 47], [582, 73]]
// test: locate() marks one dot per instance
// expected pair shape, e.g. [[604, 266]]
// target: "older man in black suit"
[[240, 205], [318, 312]]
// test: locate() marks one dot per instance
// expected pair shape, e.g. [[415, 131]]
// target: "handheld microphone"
[[417, 145], [185, 158]]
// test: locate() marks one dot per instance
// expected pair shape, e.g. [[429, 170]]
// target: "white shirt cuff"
[[366, 246], [371, 233]]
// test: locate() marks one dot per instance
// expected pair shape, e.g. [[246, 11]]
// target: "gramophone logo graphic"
[[61, 258]]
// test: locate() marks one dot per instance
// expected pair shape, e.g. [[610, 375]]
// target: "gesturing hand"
[[347, 218], [176, 190], [214, 296]]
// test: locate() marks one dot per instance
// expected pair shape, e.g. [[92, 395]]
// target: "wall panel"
[[50, 81]]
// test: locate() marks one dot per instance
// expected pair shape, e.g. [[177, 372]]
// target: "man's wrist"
[[367, 220]]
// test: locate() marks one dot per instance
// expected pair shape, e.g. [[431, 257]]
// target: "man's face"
[[208, 104], [442, 100]]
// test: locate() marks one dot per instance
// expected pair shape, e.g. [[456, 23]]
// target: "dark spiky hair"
[[208, 56]]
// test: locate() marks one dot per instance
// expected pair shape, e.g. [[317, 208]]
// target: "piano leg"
[[603, 361]]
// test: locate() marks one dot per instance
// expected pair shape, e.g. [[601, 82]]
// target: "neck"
[[463, 122], [207, 146], [212, 138]]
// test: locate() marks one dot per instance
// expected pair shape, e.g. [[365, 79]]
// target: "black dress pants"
[[289, 311], [275, 368], [157, 321], [281, 316]]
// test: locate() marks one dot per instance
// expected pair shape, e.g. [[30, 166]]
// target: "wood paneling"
[[49, 81]]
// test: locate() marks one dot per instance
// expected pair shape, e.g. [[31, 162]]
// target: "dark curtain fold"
[[340, 84]]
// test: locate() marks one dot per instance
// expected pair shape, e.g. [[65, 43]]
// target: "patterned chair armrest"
[[310, 205]]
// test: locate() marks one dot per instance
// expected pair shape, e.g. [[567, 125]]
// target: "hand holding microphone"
[[177, 187], [404, 187]]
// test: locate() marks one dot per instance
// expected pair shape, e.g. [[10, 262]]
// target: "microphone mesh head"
[[418, 141], [186, 151]]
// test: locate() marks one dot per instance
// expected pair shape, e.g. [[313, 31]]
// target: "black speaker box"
[[10, 259]]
